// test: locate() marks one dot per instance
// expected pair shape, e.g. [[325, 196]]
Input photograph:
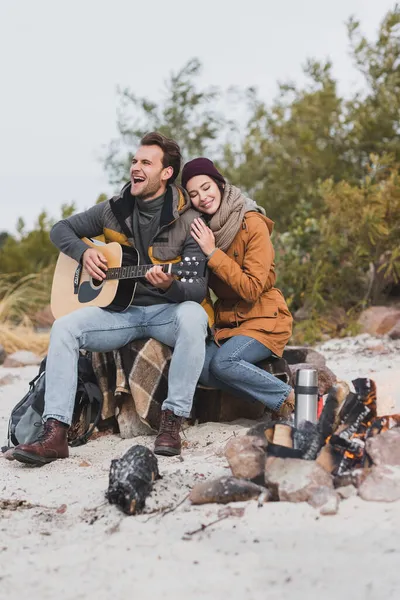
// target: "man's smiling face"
[[149, 178]]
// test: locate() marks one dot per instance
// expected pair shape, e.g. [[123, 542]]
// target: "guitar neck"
[[133, 272]]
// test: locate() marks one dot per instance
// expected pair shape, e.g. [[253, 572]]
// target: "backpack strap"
[[93, 393]]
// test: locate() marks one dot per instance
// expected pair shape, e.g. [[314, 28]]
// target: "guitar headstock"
[[189, 267]]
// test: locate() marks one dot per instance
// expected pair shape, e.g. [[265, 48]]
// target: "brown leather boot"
[[287, 407], [168, 441], [51, 445]]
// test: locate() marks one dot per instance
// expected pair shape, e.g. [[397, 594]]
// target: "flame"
[[351, 447]]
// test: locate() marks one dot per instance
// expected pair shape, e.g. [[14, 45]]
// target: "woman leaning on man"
[[252, 320]]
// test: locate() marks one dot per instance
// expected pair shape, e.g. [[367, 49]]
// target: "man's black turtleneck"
[[145, 224]]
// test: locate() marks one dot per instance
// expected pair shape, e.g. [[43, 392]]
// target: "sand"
[[70, 544]]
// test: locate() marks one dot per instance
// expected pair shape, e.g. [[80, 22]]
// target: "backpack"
[[26, 424]]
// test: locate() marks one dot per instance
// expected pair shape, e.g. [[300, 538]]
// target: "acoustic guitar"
[[74, 288]]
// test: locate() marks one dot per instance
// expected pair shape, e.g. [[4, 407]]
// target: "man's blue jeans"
[[182, 326], [231, 367]]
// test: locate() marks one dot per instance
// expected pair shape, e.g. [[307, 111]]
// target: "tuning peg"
[[190, 280], [187, 258], [196, 263], [194, 272], [193, 258], [179, 272], [183, 279]]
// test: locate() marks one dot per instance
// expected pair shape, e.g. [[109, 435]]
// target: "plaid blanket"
[[134, 383]]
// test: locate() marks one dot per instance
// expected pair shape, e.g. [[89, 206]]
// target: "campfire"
[[345, 452], [349, 450], [338, 441]]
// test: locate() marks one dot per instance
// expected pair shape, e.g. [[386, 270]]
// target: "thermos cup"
[[306, 394]]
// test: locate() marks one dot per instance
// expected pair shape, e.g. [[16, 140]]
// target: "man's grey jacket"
[[113, 220]]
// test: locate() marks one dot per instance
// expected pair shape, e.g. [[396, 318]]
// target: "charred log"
[[330, 416], [308, 440], [226, 489], [366, 389], [131, 479]]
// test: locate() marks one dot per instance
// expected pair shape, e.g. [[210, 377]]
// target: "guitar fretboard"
[[131, 272]]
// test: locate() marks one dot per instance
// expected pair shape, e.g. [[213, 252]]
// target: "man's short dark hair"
[[172, 153]]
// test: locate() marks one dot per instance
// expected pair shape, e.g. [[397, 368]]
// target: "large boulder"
[[22, 358], [326, 378], [379, 320], [303, 354], [295, 480], [384, 449], [382, 484], [214, 405]]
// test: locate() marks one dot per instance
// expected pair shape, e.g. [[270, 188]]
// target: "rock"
[[294, 479], [303, 313], [394, 333], [331, 507], [303, 354], [321, 495], [9, 454], [382, 484], [129, 423], [43, 318], [226, 489], [278, 367], [384, 449], [2, 354], [337, 318], [377, 349], [246, 457], [326, 378], [378, 320], [8, 379], [22, 358], [326, 499], [347, 491]]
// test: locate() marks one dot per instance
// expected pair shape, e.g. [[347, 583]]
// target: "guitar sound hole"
[[96, 283]]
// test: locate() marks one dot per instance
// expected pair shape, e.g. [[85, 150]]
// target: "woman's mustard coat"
[[243, 280]]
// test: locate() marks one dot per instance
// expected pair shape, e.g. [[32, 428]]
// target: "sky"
[[61, 62]]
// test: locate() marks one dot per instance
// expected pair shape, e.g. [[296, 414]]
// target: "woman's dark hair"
[[171, 152], [220, 185]]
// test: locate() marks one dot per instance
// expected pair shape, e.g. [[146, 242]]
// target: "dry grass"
[[18, 303], [22, 337]]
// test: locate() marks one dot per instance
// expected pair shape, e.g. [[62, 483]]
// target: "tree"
[[185, 113], [3, 237], [292, 145], [310, 134], [351, 253], [29, 252], [374, 116]]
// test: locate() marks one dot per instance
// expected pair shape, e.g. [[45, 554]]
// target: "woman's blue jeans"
[[232, 367]]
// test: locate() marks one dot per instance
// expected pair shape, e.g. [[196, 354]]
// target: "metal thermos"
[[306, 394]]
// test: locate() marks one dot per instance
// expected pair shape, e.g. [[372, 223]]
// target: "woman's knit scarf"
[[228, 219]]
